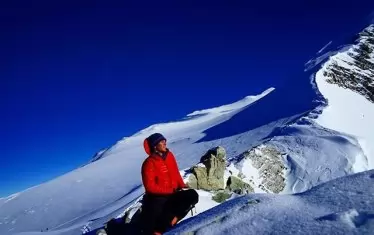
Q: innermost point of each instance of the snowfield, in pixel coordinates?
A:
(348, 112)
(325, 186)
(341, 206)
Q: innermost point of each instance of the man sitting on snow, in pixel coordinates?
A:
(167, 198)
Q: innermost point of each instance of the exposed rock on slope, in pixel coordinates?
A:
(358, 75)
(261, 168)
(269, 163)
(236, 185)
(346, 81)
(208, 174)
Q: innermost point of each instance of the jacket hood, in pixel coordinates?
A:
(147, 149)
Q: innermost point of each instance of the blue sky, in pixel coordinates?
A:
(77, 77)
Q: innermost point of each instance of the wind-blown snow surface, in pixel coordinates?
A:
(314, 151)
(91, 195)
(324, 47)
(102, 189)
(353, 117)
(347, 111)
(341, 206)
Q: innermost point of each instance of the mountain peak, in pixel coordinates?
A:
(292, 153)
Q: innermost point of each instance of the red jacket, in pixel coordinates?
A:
(161, 176)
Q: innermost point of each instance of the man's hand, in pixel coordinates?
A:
(185, 187)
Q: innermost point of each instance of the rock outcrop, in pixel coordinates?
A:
(208, 174)
(355, 69)
(238, 186)
(268, 160)
(221, 196)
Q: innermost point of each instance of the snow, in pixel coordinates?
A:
(205, 203)
(89, 196)
(324, 47)
(252, 174)
(314, 62)
(341, 206)
(321, 151)
(102, 189)
(10, 197)
(348, 112)
(315, 155)
(234, 106)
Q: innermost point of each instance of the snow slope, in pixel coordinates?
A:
(348, 111)
(103, 188)
(341, 206)
(316, 144)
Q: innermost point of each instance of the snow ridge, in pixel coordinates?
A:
(341, 206)
(346, 81)
(305, 157)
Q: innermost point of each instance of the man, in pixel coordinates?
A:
(167, 198)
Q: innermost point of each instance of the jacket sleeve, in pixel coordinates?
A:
(149, 179)
(178, 176)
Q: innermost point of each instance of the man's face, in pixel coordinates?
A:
(161, 146)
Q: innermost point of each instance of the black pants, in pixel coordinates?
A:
(158, 211)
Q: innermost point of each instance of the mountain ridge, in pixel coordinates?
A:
(306, 137)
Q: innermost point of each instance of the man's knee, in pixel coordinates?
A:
(192, 196)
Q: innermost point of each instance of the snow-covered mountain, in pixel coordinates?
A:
(347, 82)
(309, 145)
(341, 206)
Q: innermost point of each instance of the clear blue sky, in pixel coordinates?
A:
(77, 77)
